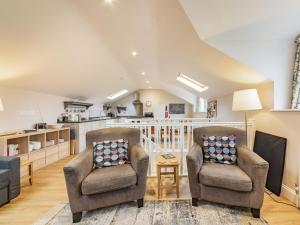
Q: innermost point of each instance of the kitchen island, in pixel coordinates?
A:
(82, 127)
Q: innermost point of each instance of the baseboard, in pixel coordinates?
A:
(289, 193)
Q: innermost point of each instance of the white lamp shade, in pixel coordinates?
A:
(1, 105)
(245, 100)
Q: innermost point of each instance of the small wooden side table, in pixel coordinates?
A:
(29, 164)
(167, 163)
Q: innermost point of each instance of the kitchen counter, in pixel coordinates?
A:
(105, 118)
(90, 120)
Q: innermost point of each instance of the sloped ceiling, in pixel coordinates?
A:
(257, 33)
(83, 48)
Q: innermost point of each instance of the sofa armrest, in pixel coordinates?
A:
(257, 169)
(194, 160)
(12, 164)
(139, 161)
(75, 171)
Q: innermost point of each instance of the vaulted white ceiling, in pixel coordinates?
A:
(257, 33)
(83, 48)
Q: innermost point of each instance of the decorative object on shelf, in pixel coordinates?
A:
(12, 149)
(77, 104)
(36, 145)
(212, 109)
(50, 143)
(246, 100)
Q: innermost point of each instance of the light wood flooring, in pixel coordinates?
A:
(49, 190)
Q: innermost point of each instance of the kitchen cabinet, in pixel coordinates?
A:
(81, 129)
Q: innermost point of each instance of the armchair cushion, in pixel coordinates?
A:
(225, 176)
(109, 179)
(220, 149)
(110, 152)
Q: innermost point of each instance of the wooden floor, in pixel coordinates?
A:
(49, 190)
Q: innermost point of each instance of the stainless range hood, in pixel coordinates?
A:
(136, 100)
(138, 105)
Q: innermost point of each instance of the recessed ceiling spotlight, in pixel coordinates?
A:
(134, 53)
(147, 82)
(143, 73)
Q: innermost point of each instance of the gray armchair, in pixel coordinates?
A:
(9, 178)
(239, 185)
(89, 188)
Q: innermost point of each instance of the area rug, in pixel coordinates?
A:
(179, 212)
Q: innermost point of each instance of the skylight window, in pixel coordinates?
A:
(118, 94)
(191, 83)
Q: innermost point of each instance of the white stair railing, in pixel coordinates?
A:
(174, 136)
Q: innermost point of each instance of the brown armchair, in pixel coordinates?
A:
(89, 188)
(240, 185)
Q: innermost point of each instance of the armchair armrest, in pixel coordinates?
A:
(76, 170)
(194, 160)
(257, 169)
(139, 161)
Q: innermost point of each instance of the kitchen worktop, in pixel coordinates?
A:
(105, 118)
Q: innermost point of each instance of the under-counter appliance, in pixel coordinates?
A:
(148, 114)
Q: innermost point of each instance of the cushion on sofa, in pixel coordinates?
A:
(229, 177)
(110, 153)
(220, 149)
(109, 179)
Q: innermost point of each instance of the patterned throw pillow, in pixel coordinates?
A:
(220, 149)
(110, 153)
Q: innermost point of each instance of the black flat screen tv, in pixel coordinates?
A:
(176, 108)
(272, 149)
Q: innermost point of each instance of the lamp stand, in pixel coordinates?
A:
(246, 127)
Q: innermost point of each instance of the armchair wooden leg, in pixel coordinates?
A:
(77, 217)
(140, 202)
(255, 213)
(194, 202)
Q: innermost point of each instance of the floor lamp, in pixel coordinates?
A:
(246, 100)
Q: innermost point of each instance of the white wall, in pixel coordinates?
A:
(272, 58)
(159, 100)
(224, 111)
(22, 109)
(284, 124)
